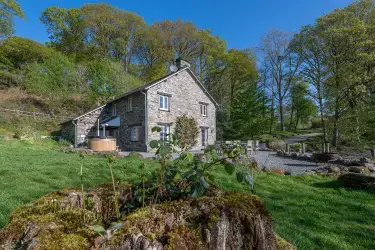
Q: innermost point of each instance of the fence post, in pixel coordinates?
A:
(324, 148)
(303, 148)
(288, 148)
(328, 148)
(373, 154)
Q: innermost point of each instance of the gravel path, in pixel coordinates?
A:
(271, 160)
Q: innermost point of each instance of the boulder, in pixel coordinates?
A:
(354, 180)
(135, 155)
(358, 170)
(334, 170)
(218, 220)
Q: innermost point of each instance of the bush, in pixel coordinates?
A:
(186, 132)
(316, 123)
(276, 145)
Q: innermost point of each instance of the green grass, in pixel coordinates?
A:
(309, 211)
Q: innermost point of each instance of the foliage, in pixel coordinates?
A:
(107, 79)
(186, 132)
(189, 175)
(8, 10)
(276, 144)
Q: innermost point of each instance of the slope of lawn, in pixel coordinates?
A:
(309, 211)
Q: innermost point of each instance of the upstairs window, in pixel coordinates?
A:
(114, 111)
(203, 109)
(164, 102)
(130, 104)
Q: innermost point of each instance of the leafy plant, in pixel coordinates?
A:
(190, 176)
(186, 131)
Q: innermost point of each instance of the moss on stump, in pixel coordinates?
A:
(217, 221)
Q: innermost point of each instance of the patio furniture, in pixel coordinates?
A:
(249, 147)
(256, 146)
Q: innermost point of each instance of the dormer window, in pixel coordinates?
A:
(130, 104)
(203, 109)
(114, 110)
(163, 102)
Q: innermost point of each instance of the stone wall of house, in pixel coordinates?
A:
(88, 125)
(130, 119)
(185, 96)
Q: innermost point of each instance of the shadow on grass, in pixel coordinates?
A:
(329, 184)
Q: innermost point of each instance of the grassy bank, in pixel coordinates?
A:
(311, 212)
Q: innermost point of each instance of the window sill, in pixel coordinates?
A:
(165, 110)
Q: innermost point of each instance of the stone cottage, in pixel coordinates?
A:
(131, 117)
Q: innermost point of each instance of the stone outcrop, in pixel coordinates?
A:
(217, 221)
(356, 180)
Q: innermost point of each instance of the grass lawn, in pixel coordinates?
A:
(309, 211)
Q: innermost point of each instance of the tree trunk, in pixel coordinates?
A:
(321, 111)
(357, 126)
(281, 109)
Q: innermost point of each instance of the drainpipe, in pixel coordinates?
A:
(146, 121)
(75, 133)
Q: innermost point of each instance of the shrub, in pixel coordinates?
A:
(186, 132)
(316, 123)
(276, 145)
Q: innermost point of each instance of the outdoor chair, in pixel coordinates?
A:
(249, 147)
(256, 146)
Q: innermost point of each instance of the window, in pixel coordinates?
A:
(164, 102)
(164, 133)
(114, 111)
(203, 109)
(204, 136)
(130, 104)
(134, 133)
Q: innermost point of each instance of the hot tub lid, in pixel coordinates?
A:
(113, 122)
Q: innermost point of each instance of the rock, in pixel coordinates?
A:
(294, 155)
(358, 170)
(280, 153)
(135, 155)
(334, 170)
(279, 171)
(121, 154)
(354, 180)
(218, 220)
(365, 160)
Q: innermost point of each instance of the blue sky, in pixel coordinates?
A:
(241, 23)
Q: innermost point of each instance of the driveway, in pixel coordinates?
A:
(271, 160)
(300, 138)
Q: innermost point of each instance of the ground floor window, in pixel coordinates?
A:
(204, 136)
(165, 131)
(134, 133)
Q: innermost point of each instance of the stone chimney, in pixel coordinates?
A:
(181, 63)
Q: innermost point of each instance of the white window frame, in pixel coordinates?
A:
(130, 104)
(164, 102)
(114, 110)
(165, 131)
(204, 109)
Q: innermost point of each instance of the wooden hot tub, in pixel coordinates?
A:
(102, 144)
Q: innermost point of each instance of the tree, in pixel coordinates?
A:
(348, 37)
(283, 64)
(16, 53)
(8, 10)
(108, 79)
(186, 132)
(311, 49)
(247, 113)
(182, 37)
(67, 31)
(153, 53)
(302, 108)
(94, 31)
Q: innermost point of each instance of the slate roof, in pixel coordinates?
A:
(147, 86)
